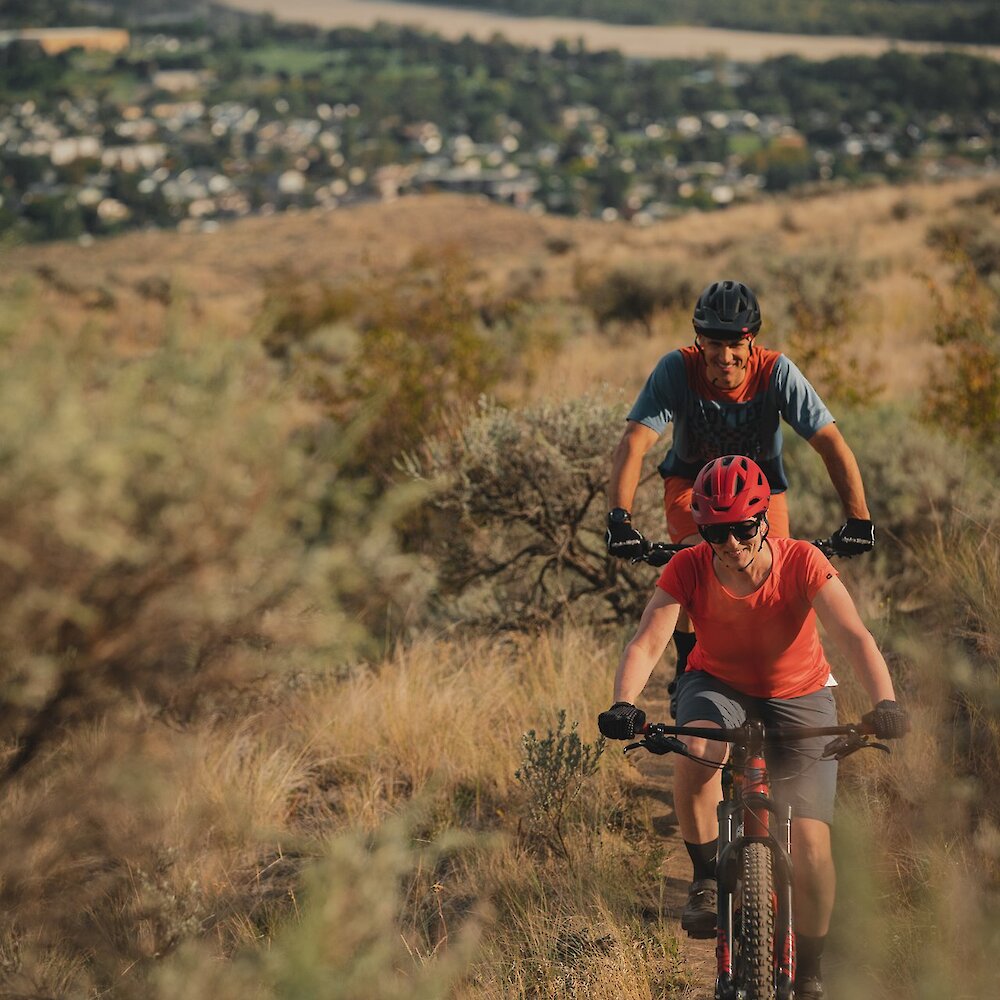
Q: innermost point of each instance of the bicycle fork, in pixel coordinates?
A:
(755, 808)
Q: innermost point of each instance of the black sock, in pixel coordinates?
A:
(703, 858)
(808, 952)
(684, 642)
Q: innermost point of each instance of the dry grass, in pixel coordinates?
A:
(185, 847)
(218, 281)
(249, 846)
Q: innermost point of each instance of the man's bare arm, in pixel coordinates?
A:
(842, 468)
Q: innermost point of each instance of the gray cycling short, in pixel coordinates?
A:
(798, 777)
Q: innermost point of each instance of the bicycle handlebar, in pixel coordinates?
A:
(772, 733)
(660, 553)
(659, 738)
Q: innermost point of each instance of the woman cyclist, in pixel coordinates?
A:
(754, 601)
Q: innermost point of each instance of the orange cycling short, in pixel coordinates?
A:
(680, 524)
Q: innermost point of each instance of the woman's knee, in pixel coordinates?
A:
(811, 842)
(713, 751)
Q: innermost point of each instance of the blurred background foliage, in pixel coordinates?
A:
(279, 609)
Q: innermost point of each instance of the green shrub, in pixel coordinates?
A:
(175, 527)
(633, 292)
(396, 353)
(347, 938)
(971, 240)
(516, 524)
(905, 208)
(988, 197)
(159, 519)
(552, 774)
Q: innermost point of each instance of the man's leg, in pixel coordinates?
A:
(684, 642)
(777, 516)
(681, 528)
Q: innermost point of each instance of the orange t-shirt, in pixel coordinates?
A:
(766, 644)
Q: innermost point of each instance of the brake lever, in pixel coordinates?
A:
(661, 745)
(654, 554)
(844, 746)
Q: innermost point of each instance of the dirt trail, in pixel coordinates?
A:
(698, 957)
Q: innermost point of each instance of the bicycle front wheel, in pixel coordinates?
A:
(755, 959)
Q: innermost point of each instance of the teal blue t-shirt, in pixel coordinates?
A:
(709, 422)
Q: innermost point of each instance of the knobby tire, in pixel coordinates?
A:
(755, 962)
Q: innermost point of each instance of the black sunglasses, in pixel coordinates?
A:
(742, 531)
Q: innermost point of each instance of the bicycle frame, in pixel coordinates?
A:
(745, 813)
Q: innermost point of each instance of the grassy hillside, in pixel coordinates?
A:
(133, 287)
(307, 619)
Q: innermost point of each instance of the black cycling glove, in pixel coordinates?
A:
(889, 720)
(856, 536)
(623, 541)
(622, 721)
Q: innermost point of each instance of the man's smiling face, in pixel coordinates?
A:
(725, 360)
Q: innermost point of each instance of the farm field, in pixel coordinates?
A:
(648, 42)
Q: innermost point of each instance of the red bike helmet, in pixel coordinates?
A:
(729, 489)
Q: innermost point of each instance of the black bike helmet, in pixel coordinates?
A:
(727, 310)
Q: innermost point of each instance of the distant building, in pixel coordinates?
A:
(177, 81)
(55, 40)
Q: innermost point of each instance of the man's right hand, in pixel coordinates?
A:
(622, 721)
(854, 537)
(623, 541)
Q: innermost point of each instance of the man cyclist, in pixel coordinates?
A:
(725, 395)
(754, 600)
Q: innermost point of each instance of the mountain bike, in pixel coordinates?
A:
(755, 939)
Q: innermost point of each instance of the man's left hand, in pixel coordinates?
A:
(855, 537)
